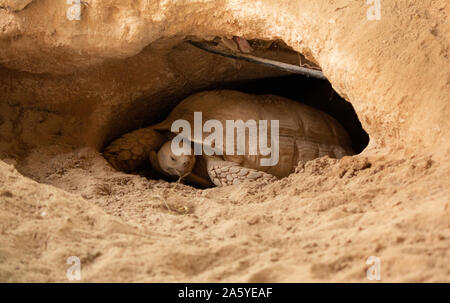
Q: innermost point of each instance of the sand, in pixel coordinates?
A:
(67, 89)
(319, 224)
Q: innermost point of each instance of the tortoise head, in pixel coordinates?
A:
(172, 164)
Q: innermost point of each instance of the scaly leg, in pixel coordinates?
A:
(131, 151)
(223, 173)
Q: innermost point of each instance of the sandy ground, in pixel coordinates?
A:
(319, 224)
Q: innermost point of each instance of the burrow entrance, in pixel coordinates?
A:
(317, 93)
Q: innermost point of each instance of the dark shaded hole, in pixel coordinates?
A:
(311, 91)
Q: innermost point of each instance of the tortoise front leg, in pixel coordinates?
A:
(131, 150)
(223, 173)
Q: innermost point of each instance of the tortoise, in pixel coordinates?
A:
(305, 133)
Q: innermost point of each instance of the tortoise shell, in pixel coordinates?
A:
(305, 133)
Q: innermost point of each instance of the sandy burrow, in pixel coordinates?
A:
(96, 71)
(319, 224)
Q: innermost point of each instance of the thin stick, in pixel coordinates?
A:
(164, 200)
(267, 62)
